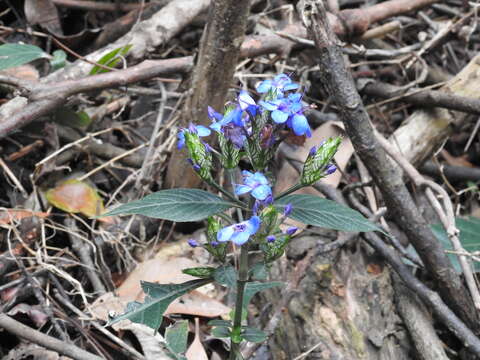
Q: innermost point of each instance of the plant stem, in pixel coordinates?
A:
(241, 283)
(229, 195)
(289, 191)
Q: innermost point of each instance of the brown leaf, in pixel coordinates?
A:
(43, 13)
(456, 160)
(34, 312)
(8, 216)
(196, 351)
(25, 72)
(75, 196)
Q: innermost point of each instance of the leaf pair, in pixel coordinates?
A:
(183, 205)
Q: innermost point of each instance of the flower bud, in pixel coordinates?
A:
(192, 242)
(217, 249)
(318, 163)
(271, 238)
(288, 209)
(200, 157)
(273, 250)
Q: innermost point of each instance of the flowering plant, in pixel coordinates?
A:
(248, 215)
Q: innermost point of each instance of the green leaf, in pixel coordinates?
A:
(217, 322)
(70, 118)
(204, 272)
(314, 210)
(179, 205)
(469, 230)
(59, 60)
(253, 335)
(111, 59)
(221, 332)
(176, 337)
(258, 271)
(158, 297)
(254, 287)
(226, 276)
(12, 55)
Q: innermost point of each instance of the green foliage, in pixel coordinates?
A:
(110, 60)
(221, 332)
(253, 335)
(258, 271)
(59, 60)
(179, 205)
(204, 272)
(314, 210)
(226, 276)
(273, 251)
(469, 237)
(158, 297)
(252, 288)
(12, 55)
(176, 337)
(217, 322)
(68, 117)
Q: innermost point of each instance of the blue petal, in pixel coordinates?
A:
(300, 125)
(261, 192)
(279, 116)
(268, 105)
(253, 224)
(181, 140)
(242, 189)
(212, 114)
(264, 86)
(245, 100)
(295, 97)
(216, 126)
(225, 234)
(202, 130)
(240, 237)
(291, 86)
(260, 178)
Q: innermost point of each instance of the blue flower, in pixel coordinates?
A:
(234, 125)
(200, 130)
(239, 233)
(330, 169)
(280, 83)
(288, 209)
(291, 230)
(271, 238)
(289, 110)
(192, 242)
(257, 183)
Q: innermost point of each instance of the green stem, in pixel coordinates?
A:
(237, 320)
(289, 191)
(229, 195)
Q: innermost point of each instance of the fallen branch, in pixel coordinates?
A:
(34, 336)
(46, 97)
(423, 97)
(339, 84)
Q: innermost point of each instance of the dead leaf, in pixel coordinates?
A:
(196, 351)
(8, 216)
(456, 160)
(34, 312)
(75, 196)
(374, 269)
(45, 14)
(25, 72)
(152, 344)
(162, 272)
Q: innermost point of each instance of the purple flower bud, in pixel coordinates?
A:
(271, 238)
(190, 161)
(331, 168)
(214, 243)
(288, 209)
(255, 207)
(192, 242)
(196, 167)
(312, 151)
(268, 200)
(208, 148)
(192, 128)
(291, 230)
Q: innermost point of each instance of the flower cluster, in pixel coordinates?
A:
(253, 129)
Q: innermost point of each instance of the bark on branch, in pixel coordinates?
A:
(339, 84)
